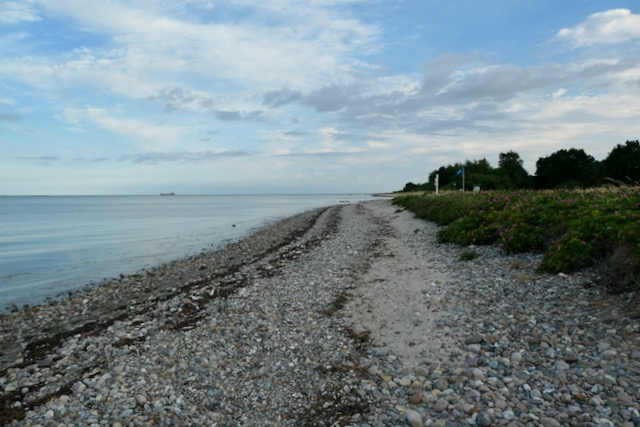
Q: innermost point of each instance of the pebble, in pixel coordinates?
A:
(258, 333)
(414, 419)
(441, 405)
(483, 419)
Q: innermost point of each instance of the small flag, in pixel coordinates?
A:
(460, 172)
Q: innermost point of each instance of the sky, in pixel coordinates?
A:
(313, 96)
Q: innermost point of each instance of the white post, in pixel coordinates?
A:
(437, 182)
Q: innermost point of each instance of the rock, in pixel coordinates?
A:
(483, 419)
(468, 408)
(441, 384)
(474, 339)
(141, 399)
(404, 382)
(549, 422)
(474, 348)
(441, 405)
(422, 371)
(509, 415)
(11, 387)
(415, 398)
(491, 339)
(414, 419)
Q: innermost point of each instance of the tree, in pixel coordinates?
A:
(512, 174)
(567, 168)
(480, 172)
(477, 172)
(447, 177)
(410, 186)
(623, 162)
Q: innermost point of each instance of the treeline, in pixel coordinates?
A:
(572, 168)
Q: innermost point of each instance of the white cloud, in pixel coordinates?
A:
(147, 135)
(309, 45)
(611, 26)
(559, 93)
(12, 12)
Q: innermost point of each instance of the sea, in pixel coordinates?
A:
(51, 245)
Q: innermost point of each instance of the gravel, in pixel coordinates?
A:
(347, 315)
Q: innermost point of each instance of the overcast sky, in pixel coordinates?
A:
(304, 96)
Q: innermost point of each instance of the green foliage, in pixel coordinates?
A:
(568, 169)
(571, 168)
(572, 228)
(513, 175)
(623, 162)
(509, 175)
(468, 255)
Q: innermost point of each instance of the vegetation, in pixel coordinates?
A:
(572, 168)
(574, 228)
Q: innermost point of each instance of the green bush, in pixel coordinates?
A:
(572, 228)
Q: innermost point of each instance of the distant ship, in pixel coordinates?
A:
(168, 194)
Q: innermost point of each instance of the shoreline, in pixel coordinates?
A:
(168, 279)
(116, 235)
(343, 315)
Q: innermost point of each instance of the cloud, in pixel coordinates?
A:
(178, 98)
(240, 116)
(328, 98)
(147, 45)
(609, 27)
(319, 154)
(13, 12)
(184, 156)
(294, 133)
(145, 133)
(459, 95)
(502, 82)
(8, 117)
(43, 160)
(282, 97)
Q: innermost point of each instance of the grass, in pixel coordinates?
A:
(574, 229)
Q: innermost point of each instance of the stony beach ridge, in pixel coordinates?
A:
(350, 315)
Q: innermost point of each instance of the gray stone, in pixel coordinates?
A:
(441, 405)
(549, 422)
(141, 399)
(414, 419)
(474, 339)
(483, 419)
(509, 415)
(441, 384)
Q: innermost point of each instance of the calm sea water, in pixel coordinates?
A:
(50, 245)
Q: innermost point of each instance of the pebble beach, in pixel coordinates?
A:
(349, 315)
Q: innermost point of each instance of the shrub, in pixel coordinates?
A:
(572, 228)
